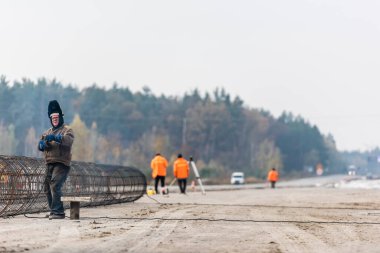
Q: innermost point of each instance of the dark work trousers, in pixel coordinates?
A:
(182, 184)
(55, 177)
(159, 178)
(273, 184)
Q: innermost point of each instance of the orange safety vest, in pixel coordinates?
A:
(181, 168)
(273, 176)
(158, 165)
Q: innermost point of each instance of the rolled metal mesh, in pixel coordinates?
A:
(22, 184)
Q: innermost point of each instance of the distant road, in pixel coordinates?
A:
(327, 181)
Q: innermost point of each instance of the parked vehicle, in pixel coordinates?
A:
(237, 178)
(352, 170)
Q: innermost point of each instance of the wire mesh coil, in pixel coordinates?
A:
(22, 184)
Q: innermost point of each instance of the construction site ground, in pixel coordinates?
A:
(317, 219)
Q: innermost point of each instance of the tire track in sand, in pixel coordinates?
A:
(295, 239)
(67, 235)
(159, 230)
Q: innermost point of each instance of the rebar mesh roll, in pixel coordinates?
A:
(22, 184)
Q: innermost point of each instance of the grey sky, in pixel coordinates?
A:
(319, 59)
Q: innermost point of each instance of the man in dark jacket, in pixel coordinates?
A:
(56, 144)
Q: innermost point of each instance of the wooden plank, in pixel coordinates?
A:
(76, 199)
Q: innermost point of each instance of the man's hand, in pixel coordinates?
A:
(58, 138)
(51, 137)
(41, 145)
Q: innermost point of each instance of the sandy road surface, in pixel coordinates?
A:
(257, 220)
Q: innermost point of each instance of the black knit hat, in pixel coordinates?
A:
(54, 108)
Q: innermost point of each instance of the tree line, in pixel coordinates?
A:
(118, 126)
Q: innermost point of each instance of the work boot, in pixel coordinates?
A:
(56, 216)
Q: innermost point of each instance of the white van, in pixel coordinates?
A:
(237, 178)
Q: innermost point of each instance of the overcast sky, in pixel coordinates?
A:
(318, 59)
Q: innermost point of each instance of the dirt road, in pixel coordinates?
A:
(259, 220)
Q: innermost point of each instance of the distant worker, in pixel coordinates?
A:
(181, 172)
(273, 177)
(56, 144)
(158, 165)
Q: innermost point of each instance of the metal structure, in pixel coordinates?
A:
(196, 173)
(22, 184)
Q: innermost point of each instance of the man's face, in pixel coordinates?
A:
(55, 119)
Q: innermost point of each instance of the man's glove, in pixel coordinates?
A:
(58, 138)
(41, 145)
(52, 137)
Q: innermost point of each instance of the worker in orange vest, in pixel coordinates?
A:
(273, 177)
(158, 165)
(181, 172)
